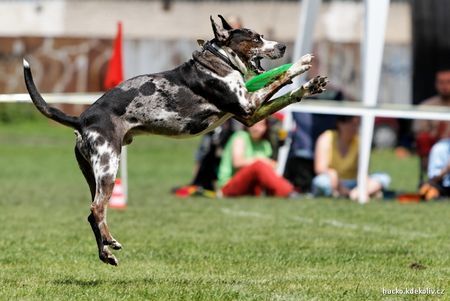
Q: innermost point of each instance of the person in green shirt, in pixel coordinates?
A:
(246, 167)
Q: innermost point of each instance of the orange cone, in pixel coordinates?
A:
(118, 199)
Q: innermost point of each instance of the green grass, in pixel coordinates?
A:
(203, 249)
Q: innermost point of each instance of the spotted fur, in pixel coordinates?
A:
(189, 100)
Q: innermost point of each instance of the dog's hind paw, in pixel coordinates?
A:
(107, 257)
(315, 85)
(115, 245)
(112, 260)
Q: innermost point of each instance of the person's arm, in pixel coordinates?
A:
(322, 153)
(425, 126)
(238, 155)
(439, 174)
(322, 159)
(429, 127)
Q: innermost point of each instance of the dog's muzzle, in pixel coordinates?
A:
(273, 52)
(281, 48)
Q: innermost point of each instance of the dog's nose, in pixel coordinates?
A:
(281, 47)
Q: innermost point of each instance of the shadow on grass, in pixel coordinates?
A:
(99, 282)
(146, 281)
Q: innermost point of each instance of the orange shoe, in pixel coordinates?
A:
(428, 192)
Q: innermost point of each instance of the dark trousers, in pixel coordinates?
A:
(300, 172)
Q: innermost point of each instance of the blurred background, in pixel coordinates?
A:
(70, 42)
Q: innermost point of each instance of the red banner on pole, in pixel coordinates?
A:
(114, 73)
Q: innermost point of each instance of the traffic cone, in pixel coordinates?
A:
(118, 199)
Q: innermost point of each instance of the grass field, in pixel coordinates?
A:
(203, 249)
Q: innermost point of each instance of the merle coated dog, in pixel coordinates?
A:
(189, 100)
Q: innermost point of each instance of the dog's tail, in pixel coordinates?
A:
(42, 106)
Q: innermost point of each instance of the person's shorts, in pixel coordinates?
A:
(321, 184)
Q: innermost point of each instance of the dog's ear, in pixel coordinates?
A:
(220, 33)
(225, 24)
(200, 42)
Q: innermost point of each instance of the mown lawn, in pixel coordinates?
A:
(204, 249)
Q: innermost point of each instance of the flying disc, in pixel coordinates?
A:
(261, 80)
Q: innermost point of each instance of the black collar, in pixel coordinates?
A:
(210, 47)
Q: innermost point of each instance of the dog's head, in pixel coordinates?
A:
(249, 45)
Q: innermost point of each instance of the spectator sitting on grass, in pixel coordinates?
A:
(438, 184)
(336, 162)
(428, 132)
(246, 167)
(299, 168)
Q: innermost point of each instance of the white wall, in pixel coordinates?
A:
(188, 20)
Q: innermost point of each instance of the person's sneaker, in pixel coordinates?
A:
(428, 192)
(184, 191)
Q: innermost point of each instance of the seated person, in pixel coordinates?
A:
(209, 153)
(299, 169)
(207, 160)
(438, 184)
(427, 132)
(336, 162)
(246, 167)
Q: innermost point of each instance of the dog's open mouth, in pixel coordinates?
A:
(256, 65)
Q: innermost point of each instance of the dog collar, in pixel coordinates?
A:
(232, 60)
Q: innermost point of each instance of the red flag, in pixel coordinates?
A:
(114, 73)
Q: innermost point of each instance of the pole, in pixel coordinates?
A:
(375, 26)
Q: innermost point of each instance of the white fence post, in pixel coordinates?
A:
(124, 171)
(375, 26)
(303, 45)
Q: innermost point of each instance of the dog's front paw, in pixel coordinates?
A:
(306, 59)
(249, 109)
(315, 85)
(301, 66)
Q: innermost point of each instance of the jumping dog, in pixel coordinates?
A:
(189, 100)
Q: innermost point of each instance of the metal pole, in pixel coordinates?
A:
(304, 42)
(309, 11)
(375, 26)
(124, 171)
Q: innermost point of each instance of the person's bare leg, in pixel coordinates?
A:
(372, 188)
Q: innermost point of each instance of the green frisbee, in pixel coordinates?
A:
(261, 80)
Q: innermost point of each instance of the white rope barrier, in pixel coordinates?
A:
(383, 110)
(69, 98)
